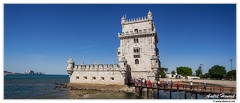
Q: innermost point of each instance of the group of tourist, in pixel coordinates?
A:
(149, 83)
(143, 82)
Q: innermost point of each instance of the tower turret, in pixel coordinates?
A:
(123, 68)
(123, 63)
(150, 15)
(123, 21)
(70, 66)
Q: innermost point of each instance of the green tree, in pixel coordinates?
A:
(217, 72)
(231, 74)
(199, 71)
(163, 72)
(184, 71)
(173, 72)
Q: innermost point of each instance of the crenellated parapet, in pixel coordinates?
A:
(135, 20)
(99, 67)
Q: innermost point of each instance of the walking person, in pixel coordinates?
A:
(166, 83)
(136, 82)
(149, 83)
(158, 84)
(204, 85)
(191, 85)
(143, 82)
(178, 84)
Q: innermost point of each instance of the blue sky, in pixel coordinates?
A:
(43, 37)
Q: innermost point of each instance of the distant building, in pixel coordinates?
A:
(171, 76)
(7, 72)
(138, 56)
(31, 72)
(193, 77)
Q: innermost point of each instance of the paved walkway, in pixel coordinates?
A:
(227, 83)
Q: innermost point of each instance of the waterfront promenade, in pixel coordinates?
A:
(213, 87)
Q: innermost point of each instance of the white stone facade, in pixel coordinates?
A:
(137, 54)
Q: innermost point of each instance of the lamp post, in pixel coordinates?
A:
(231, 66)
(202, 68)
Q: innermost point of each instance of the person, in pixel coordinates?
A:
(143, 81)
(154, 83)
(178, 84)
(204, 85)
(136, 83)
(166, 83)
(191, 85)
(148, 83)
(171, 83)
(158, 84)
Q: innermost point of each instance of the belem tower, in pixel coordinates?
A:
(138, 56)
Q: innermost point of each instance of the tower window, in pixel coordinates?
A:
(119, 53)
(136, 61)
(136, 30)
(94, 78)
(85, 77)
(131, 32)
(112, 78)
(136, 40)
(136, 56)
(102, 78)
(136, 50)
(77, 77)
(144, 30)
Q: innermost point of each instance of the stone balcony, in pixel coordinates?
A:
(125, 35)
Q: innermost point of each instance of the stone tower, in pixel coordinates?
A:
(138, 46)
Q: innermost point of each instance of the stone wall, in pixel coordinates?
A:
(108, 76)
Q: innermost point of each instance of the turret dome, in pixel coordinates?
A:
(149, 12)
(70, 61)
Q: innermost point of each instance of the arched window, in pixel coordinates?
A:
(136, 30)
(136, 61)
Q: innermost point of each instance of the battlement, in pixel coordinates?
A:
(97, 67)
(135, 20)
